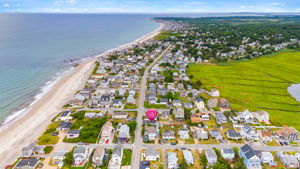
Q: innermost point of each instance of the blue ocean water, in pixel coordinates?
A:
(34, 48)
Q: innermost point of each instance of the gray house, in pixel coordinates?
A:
(211, 156)
(251, 159)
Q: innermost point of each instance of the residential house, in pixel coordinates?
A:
(117, 103)
(179, 114)
(199, 103)
(245, 116)
(165, 114)
(98, 155)
(200, 134)
(151, 132)
(172, 160)
(131, 100)
(266, 157)
(196, 118)
(116, 158)
(205, 116)
(65, 116)
(183, 133)
(91, 115)
(220, 118)
(27, 151)
(105, 101)
(28, 163)
(224, 104)
(151, 154)
(168, 135)
(251, 160)
(188, 157)
(124, 133)
(232, 134)
(228, 153)
(249, 133)
(289, 161)
(261, 116)
(211, 156)
(81, 155)
(177, 103)
(266, 136)
(107, 130)
(73, 134)
(63, 126)
(188, 105)
(59, 156)
(212, 103)
(216, 134)
(120, 115)
(214, 93)
(287, 133)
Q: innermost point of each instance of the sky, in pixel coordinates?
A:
(149, 6)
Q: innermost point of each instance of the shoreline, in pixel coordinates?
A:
(29, 125)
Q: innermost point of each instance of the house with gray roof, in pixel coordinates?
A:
(116, 158)
(188, 157)
(98, 155)
(151, 154)
(81, 155)
(289, 161)
(251, 159)
(232, 134)
(227, 153)
(172, 160)
(220, 118)
(211, 156)
(124, 133)
(28, 163)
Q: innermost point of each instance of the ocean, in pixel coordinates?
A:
(37, 49)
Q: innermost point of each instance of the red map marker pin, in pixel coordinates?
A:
(151, 114)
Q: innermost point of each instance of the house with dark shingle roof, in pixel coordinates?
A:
(29, 163)
(251, 159)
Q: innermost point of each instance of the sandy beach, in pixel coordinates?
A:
(26, 128)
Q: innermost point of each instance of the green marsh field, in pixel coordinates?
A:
(257, 84)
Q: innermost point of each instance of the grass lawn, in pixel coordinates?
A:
(130, 106)
(208, 141)
(46, 138)
(257, 84)
(154, 106)
(127, 154)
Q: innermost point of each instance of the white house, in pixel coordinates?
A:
(172, 160)
(227, 153)
(188, 157)
(183, 133)
(199, 103)
(152, 155)
(266, 157)
(211, 156)
(261, 116)
(81, 155)
(116, 158)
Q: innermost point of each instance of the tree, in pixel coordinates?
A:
(132, 125)
(183, 165)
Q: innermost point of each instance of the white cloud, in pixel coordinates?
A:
(69, 2)
(247, 7)
(5, 5)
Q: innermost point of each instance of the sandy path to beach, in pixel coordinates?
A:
(27, 128)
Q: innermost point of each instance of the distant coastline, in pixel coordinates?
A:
(34, 119)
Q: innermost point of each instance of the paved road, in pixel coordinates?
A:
(219, 146)
(141, 110)
(106, 109)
